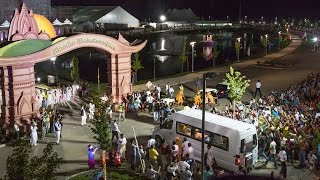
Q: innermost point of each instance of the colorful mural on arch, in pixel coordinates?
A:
(18, 58)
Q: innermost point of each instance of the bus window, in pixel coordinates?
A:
(167, 124)
(198, 135)
(220, 141)
(184, 129)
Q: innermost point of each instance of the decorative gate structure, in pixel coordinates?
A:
(30, 45)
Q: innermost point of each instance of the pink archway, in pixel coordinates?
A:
(18, 80)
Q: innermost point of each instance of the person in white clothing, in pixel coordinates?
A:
(83, 116)
(189, 150)
(34, 134)
(183, 165)
(114, 130)
(91, 111)
(158, 90)
(283, 159)
(171, 91)
(167, 88)
(258, 89)
(122, 142)
(57, 128)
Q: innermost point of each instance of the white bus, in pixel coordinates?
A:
(233, 142)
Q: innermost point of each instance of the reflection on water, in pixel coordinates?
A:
(161, 58)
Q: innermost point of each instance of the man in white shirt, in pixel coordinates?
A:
(258, 89)
(57, 128)
(183, 165)
(171, 91)
(16, 130)
(283, 159)
(184, 145)
(158, 89)
(189, 150)
(273, 152)
(114, 130)
(151, 142)
(167, 88)
(150, 100)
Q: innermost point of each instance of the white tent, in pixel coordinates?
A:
(67, 22)
(5, 24)
(119, 16)
(105, 15)
(56, 22)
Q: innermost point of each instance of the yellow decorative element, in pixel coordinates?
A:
(44, 25)
(58, 39)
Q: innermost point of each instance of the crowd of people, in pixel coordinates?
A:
(287, 124)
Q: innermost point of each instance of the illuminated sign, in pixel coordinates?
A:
(79, 41)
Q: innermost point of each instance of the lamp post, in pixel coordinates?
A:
(266, 43)
(53, 59)
(205, 76)
(192, 56)
(238, 48)
(279, 39)
(315, 40)
(38, 79)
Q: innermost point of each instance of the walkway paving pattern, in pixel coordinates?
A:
(75, 138)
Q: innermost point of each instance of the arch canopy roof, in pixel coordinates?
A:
(24, 47)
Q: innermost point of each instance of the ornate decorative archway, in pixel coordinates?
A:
(17, 78)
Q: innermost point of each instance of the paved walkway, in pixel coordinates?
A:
(75, 139)
(192, 76)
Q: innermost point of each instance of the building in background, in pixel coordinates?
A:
(42, 7)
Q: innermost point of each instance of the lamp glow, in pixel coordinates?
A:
(163, 18)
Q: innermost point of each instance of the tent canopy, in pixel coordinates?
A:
(105, 15)
(181, 15)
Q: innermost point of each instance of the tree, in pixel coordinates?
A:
(237, 49)
(215, 54)
(183, 56)
(75, 72)
(136, 64)
(265, 44)
(101, 129)
(237, 84)
(20, 166)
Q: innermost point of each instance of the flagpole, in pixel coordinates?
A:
(135, 137)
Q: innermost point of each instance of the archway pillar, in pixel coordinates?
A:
(119, 77)
(18, 95)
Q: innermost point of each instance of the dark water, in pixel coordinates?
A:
(163, 49)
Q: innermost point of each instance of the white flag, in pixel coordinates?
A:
(149, 84)
(249, 51)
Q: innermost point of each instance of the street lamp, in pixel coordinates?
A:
(315, 40)
(53, 59)
(238, 49)
(266, 43)
(162, 18)
(205, 76)
(38, 79)
(279, 39)
(192, 56)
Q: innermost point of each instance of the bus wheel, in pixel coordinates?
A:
(158, 141)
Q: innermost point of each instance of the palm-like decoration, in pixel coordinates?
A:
(136, 64)
(101, 129)
(237, 84)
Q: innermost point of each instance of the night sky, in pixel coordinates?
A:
(214, 8)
